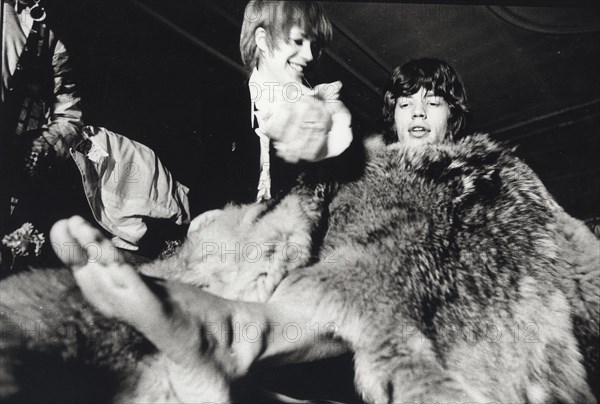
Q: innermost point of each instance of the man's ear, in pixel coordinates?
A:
(260, 37)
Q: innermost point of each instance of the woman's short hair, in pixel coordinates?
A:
(278, 18)
(433, 75)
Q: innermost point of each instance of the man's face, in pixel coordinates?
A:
(421, 118)
(287, 61)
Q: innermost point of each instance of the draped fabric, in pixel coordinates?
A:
(128, 185)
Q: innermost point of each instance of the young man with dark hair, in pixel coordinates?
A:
(425, 102)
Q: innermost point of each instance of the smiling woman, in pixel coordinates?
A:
(245, 160)
(276, 19)
(426, 102)
(285, 63)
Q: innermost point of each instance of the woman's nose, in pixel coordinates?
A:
(306, 51)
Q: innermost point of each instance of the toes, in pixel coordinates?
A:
(83, 232)
(65, 246)
(76, 242)
(59, 233)
(91, 242)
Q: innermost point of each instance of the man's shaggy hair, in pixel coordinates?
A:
(433, 75)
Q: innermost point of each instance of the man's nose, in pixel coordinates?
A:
(419, 111)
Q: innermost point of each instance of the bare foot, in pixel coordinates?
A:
(114, 288)
(76, 243)
(117, 290)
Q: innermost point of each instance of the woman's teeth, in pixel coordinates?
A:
(296, 66)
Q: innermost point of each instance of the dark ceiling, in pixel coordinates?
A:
(531, 72)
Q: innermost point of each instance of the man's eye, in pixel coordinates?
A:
(298, 41)
(435, 101)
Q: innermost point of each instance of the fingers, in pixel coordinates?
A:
(309, 144)
(315, 147)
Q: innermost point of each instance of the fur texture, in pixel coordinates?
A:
(449, 271)
(449, 281)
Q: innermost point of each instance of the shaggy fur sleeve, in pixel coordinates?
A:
(580, 248)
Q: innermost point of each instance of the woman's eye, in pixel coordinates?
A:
(298, 41)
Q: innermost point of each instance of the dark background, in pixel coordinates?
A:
(145, 69)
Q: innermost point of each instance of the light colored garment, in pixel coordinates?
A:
(61, 110)
(264, 181)
(277, 114)
(61, 116)
(15, 29)
(128, 184)
(259, 104)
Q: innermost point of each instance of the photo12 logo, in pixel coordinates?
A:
(293, 92)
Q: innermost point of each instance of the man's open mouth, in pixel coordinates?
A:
(418, 131)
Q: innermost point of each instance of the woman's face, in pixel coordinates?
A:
(421, 118)
(286, 63)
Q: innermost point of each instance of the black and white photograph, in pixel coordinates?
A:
(270, 201)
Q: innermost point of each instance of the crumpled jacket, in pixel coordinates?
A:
(128, 185)
(55, 106)
(63, 117)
